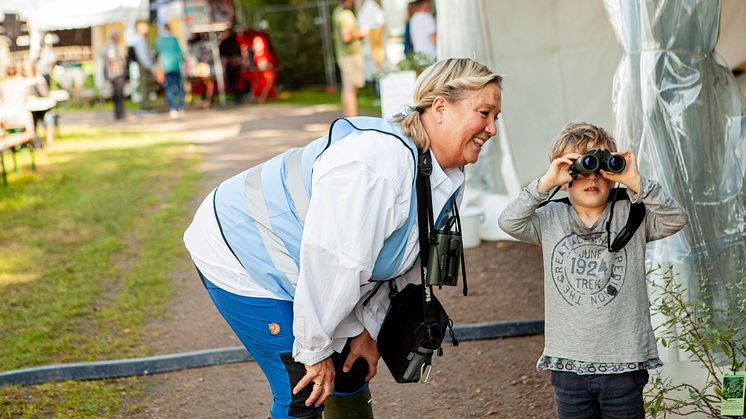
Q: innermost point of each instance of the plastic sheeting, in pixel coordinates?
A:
(677, 104)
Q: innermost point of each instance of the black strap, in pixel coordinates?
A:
(425, 222)
(463, 262)
(634, 220)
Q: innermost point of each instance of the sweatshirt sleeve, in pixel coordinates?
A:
(352, 210)
(663, 215)
(519, 219)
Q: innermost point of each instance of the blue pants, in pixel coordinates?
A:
(265, 327)
(173, 80)
(612, 396)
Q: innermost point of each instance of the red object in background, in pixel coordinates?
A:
(261, 74)
(251, 57)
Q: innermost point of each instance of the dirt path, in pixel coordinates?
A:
(492, 378)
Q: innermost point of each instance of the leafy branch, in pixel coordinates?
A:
(715, 339)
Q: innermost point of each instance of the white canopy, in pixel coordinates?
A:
(47, 15)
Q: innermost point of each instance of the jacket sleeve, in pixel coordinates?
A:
(663, 215)
(353, 209)
(519, 219)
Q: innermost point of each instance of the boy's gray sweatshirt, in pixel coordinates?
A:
(595, 302)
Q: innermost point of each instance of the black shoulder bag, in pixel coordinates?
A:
(416, 322)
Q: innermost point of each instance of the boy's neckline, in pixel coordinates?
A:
(590, 216)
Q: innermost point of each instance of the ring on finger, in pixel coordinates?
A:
(318, 384)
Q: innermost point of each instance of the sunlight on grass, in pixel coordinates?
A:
(368, 102)
(86, 249)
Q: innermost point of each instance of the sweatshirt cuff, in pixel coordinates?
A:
(646, 185)
(311, 357)
(533, 190)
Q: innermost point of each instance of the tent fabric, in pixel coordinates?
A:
(677, 104)
(70, 14)
(554, 72)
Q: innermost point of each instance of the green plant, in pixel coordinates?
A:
(717, 343)
(416, 62)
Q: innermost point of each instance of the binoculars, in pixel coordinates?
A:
(446, 251)
(598, 159)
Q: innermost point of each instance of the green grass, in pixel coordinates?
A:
(87, 247)
(367, 101)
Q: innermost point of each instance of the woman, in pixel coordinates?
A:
(289, 250)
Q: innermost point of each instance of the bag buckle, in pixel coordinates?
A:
(425, 372)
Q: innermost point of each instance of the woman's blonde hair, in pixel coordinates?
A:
(449, 78)
(578, 137)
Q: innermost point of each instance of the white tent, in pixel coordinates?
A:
(47, 15)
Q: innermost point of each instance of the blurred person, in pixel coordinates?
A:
(349, 51)
(14, 94)
(46, 61)
(171, 60)
(422, 29)
(145, 65)
(371, 21)
(290, 250)
(408, 48)
(39, 103)
(115, 70)
(230, 53)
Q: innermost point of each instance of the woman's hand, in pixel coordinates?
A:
(363, 346)
(630, 177)
(558, 172)
(321, 375)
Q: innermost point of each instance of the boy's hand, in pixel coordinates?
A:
(558, 172)
(630, 177)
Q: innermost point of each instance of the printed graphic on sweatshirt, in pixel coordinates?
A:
(585, 272)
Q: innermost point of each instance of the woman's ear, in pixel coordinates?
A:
(439, 106)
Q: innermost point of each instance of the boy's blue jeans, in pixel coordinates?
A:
(608, 396)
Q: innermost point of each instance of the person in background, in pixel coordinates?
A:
(349, 51)
(290, 249)
(46, 61)
(408, 48)
(115, 70)
(230, 53)
(422, 29)
(145, 65)
(39, 103)
(371, 21)
(171, 59)
(14, 94)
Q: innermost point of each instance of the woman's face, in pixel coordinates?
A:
(462, 128)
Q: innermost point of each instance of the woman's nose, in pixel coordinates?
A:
(491, 128)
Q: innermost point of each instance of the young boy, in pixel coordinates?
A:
(599, 343)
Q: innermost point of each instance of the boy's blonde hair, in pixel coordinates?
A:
(451, 79)
(578, 137)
